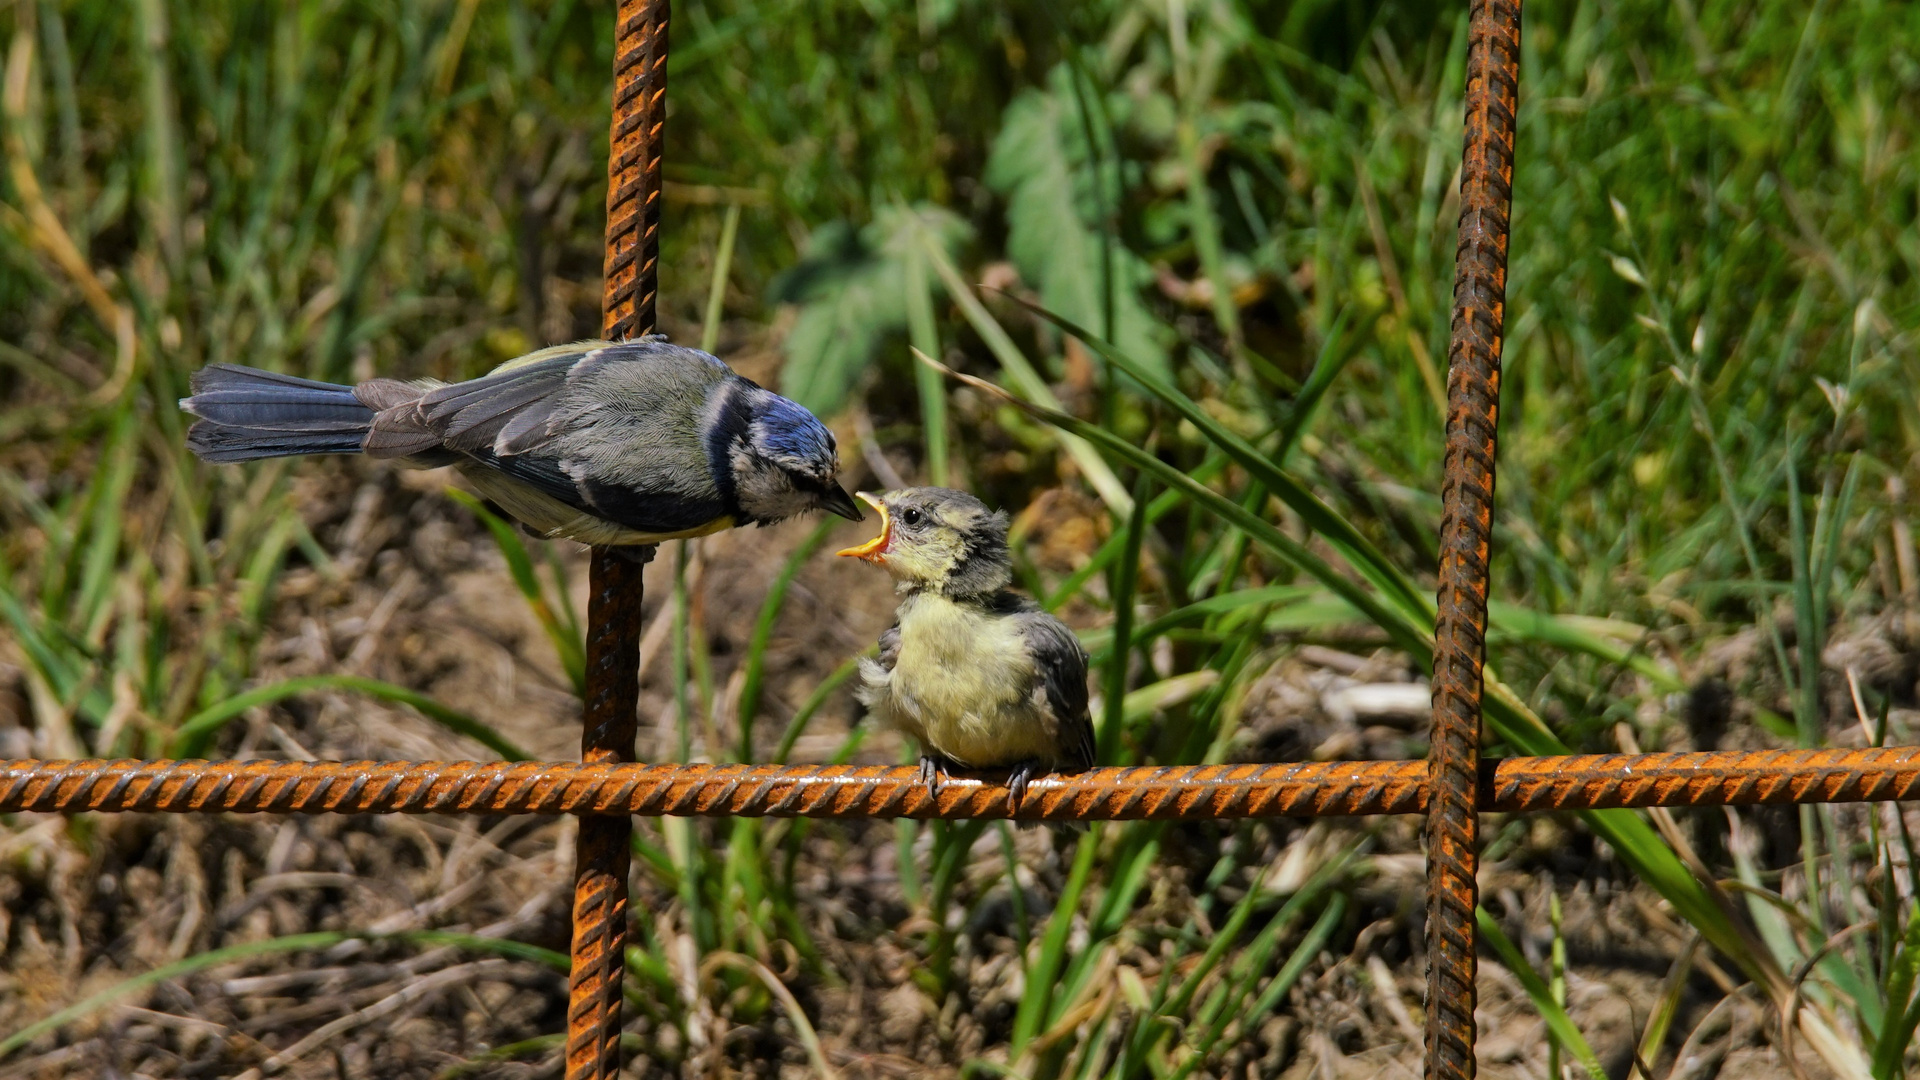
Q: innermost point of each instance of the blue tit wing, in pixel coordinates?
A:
(890, 647)
(642, 429)
(615, 431)
(1060, 665)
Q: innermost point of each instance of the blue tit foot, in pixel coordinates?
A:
(638, 554)
(1023, 771)
(933, 772)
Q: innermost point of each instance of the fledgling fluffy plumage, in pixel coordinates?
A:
(975, 672)
(600, 442)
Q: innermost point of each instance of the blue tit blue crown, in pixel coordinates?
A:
(789, 432)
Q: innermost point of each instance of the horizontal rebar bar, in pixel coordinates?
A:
(1183, 792)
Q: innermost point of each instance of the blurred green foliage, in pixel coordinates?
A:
(1708, 410)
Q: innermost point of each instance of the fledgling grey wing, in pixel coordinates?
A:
(1061, 665)
(876, 676)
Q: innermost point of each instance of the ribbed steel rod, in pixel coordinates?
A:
(603, 851)
(1170, 793)
(1466, 531)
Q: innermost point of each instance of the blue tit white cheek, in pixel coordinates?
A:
(765, 490)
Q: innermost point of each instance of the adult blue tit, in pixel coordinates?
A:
(977, 674)
(615, 443)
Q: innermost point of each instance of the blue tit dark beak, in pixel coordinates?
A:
(837, 500)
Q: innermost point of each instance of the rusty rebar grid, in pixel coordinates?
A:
(606, 788)
(1466, 533)
(612, 791)
(603, 851)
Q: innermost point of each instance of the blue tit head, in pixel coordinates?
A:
(787, 464)
(939, 538)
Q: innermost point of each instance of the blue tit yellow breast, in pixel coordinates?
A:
(963, 685)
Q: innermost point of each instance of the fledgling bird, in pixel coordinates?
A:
(975, 672)
(614, 443)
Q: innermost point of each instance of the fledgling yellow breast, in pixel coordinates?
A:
(963, 684)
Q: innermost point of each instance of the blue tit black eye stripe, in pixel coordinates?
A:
(732, 424)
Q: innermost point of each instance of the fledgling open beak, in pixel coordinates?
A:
(874, 550)
(837, 500)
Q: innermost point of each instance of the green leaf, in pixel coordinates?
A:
(1040, 163)
(851, 287)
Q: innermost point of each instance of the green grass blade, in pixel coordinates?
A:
(717, 290)
(1035, 1002)
(1408, 635)
(1382, 572)
(1580, 635)
(1303, 954)
(1100, 640)
(1024, 378)
(565, 637)
(1162, 504)
(187, 966)
(1125, 577)
(754, 667)
(192, 737)
(1551, 1011)
(925, 335)
(1896, 1033)
(507, 947)
(1335, 351)
(804, 715)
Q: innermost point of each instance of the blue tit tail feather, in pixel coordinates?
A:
(246, 414)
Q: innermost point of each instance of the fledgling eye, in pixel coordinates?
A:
(911, 518)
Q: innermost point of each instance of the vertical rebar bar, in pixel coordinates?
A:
(603, 853)
(1473, 395)
(633, 168)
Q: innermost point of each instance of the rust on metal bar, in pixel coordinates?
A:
(603, 852)
(633, 168)
(1164, 793)
(1466, 532)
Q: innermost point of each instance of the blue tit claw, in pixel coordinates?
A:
(1017, 783)
(638, 554)
(933, 772)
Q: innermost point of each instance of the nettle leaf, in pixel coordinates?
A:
(850, 287)
(1041, 165)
